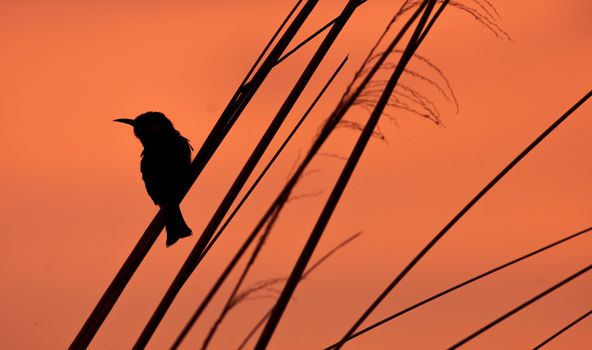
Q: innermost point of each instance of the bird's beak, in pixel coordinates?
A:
(125, 121)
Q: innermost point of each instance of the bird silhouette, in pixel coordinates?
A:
(165, 164)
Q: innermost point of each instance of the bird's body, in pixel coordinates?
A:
(165, 164)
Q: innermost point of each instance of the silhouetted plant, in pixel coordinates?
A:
(383, 85)
(464, 284)
(563, 330)
(254, 291)
(521, 306)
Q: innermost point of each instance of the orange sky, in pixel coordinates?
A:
(73, 204)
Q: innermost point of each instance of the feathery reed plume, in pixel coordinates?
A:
(236, 297)
(521, 306)
(404, 97)
(484, 17)
(306, 273)
(463, 284)
(407, 98)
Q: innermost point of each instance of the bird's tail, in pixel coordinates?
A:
(176, 227)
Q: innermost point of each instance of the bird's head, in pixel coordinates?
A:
(150, 127)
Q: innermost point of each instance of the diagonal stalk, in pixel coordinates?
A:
(304, 276)
(463, 284)
(311, 37)
(272, 160)
(563, 330)
(520, 307)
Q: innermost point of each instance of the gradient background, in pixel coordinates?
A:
(73, 204)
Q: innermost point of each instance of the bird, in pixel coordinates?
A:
(165, 167)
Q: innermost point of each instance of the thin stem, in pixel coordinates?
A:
(432, 21)
(304, 276)
(238, 285)
(311, 37)
(578, 320)
(275, 156)
(305, 41)
(274, 36)
(348, 100)
(232, 299)
(463, 284)
(520, 307)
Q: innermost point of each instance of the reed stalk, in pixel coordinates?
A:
(463, 284)
(520, 307)
(563, 330)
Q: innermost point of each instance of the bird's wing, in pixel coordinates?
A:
(152, 178)
(165, 170)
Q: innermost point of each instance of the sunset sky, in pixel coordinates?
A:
(74, 205)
